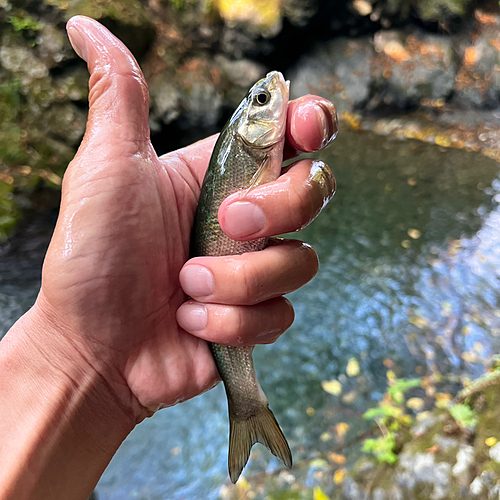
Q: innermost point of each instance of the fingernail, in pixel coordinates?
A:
(328, 122)
(197, 281)
(192, 317)
(78, 43)
(243, 219)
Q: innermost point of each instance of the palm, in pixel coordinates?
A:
(127, 271)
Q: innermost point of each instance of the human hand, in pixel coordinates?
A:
(115, 277)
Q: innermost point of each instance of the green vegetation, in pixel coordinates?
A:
(392, 418)
(25, 23)
(464, 415)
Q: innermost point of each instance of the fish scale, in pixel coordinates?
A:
(248, 152)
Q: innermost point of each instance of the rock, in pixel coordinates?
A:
(495, 452)
(421, 470)
(129, 20)
(478, 80)
(66, 123)
(239, 76)
(409, 71)
(338, 70)
(20, 60)
(73, 84)
(465, 459)
(165, 102)
(200, 93)
(53, 46)
(351, 490)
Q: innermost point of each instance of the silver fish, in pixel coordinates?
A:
(249, 152)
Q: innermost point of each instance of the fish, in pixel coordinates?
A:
(248, 152)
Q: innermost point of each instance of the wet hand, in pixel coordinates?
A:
(117, 273)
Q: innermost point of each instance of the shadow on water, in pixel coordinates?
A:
(410, 262)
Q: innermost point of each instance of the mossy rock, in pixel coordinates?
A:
(129, 20)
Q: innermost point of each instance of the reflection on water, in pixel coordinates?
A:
(410, 264)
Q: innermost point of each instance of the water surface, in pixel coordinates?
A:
(410, 265)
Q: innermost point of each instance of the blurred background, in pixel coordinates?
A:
(393, 393)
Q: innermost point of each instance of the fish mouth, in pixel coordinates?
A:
(276, 79)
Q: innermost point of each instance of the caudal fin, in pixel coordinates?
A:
(259, 428)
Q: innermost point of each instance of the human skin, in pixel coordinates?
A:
(112, 337)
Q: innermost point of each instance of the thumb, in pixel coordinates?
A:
(118, 98)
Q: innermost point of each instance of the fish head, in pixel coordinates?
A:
(262, 120)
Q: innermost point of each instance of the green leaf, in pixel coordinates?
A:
(463, 415)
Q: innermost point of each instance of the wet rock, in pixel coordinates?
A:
(410, 70)
(338, 70)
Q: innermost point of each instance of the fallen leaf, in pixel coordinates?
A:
(339, 475)
(332, 387)
(415, 404)
(318, 494)
(414, 233)
(352, 368)
(341, 429)
(336, 458)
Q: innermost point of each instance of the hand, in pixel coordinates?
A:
(115, 277)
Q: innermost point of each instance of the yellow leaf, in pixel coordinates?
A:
(406, 243)
(336, 458)
(310, 411)
(414, 233)
(491, 441)
(318, 494)
(341, 429)
(326, 436)
(391, 376)
(469, 357)
(418, 321)
(352, 368)
(339, 475)
(415, 404)
(332, 387)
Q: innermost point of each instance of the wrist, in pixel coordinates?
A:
(62, 420)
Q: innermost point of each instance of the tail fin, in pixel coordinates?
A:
(259, 428)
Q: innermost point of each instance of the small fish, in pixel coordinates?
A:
(248, 152)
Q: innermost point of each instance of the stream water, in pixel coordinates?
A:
(409, 278)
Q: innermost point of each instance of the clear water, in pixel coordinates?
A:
(421, 300)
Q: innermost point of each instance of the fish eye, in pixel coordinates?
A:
(262, 98)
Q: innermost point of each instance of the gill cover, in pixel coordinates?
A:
(262, 116)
